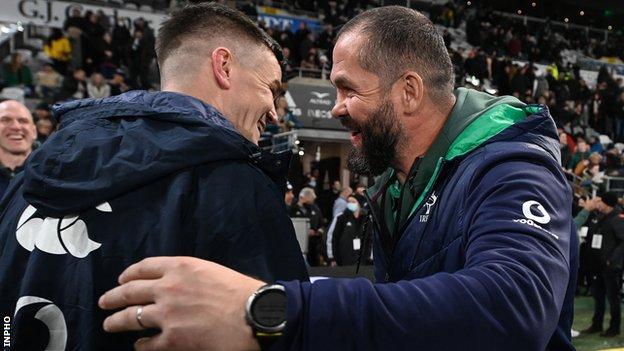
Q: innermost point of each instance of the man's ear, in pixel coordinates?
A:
(222, 67)
(412, 92)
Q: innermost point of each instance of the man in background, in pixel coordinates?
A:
(17, 135)
(608, 245)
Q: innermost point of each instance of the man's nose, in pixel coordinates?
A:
(339, 109)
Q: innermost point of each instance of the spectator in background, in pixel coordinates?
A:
(595, 145)
(74, 20)
(566, 153)
(16, 73)
(619, 118)
(287, 65)
(139, 58)
(17, 135)
(607, 283)
(122, 40)
(59, 50)
(310, 64)
(285, 118)
(93, 50)
(340, 204)
(118, 83)
(582, 153)
(45, 127)
(74, 86)
(97, 87)
(307, 208)
(346, 237)
(47, 82)
(42, 111)
(103, 21)
(289, 195)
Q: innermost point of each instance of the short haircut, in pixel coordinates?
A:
(307, 192)
(205, 21)
(398, 39)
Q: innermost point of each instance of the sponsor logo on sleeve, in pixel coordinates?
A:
(534, 215)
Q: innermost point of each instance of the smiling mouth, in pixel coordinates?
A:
(16, 137)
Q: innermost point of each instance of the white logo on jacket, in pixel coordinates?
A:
(51, 316)
(67, 235)
(429, 204)
(528, 210)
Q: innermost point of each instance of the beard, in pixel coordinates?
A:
(381, 134)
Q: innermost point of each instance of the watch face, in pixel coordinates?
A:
(269, 309)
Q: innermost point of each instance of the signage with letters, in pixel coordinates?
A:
(53, 13)
(312, 105)
(275, 17)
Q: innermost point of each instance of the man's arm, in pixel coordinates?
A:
(330, 235)
(508, 296)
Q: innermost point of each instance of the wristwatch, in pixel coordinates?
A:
(265, 312)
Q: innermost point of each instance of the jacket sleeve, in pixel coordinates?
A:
(237, 219)
(508, 295)
(581, 218)
(330, 236)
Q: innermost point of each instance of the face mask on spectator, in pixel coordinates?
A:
(352, 206)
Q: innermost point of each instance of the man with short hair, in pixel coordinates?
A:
(17, 135)
(176, 172)
(607, 244)
(306, 207)
(474, 244)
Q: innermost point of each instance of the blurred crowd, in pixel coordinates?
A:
(93, 57)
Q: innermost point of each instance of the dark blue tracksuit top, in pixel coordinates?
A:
(128, 177)
(486, 261)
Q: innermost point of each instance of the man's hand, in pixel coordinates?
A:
(198, 305)
(591, 204)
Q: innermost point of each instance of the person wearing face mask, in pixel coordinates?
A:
(347, 236)
(173, 172)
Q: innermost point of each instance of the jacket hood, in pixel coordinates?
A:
(107, 147)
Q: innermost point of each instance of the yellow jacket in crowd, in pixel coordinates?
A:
(59, 49)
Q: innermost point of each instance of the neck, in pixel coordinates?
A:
(198, 91)
(356, 214)
(427, 126)
(12, 160)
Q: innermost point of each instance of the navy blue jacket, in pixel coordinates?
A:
(138, 175)
(486, 261)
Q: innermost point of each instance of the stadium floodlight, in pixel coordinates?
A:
(469, 3)
(533, 4)
(610, 27)
(582, 13)
(519, 12)
(566, 20)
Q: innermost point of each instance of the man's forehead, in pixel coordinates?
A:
(14, 109)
